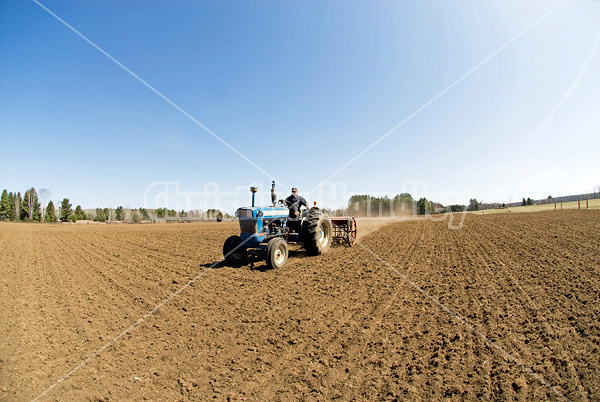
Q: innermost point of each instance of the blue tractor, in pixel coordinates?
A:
(270, 229)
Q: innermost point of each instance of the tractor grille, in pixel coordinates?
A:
(247, 225)
(244, 213)
(247, 221)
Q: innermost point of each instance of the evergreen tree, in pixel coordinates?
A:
(403, 202)
(50, 213)
(144, 214)
(524, 201)
(99, 215)
(37, 211)
(30, 206)
(65, 210)
(4, 206)
(422, 206)
(23, 212)
(11, 207)
(473, 205)
(119, 213)
(456, 208)
(79, 213)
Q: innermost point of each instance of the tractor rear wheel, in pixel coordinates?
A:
(233, 254)
(316, 232)
(277, 253)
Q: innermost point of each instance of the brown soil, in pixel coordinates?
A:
(343, 325)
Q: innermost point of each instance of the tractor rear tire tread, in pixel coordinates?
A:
(310, 232)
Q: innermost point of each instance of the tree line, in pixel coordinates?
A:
(475, 205)
(31, 207)
(403, 203)
(529, 201)
(400, 204)
(36, 206)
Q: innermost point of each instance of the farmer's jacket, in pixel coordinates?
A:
(295, 202)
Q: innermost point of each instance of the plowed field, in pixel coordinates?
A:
(507, 307)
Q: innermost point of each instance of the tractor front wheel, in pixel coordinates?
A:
(277, 253)
(232, 251)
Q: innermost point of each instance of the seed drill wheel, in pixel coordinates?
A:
(277, 253)
(352, 231)
(344, 230)
(233, 254)
(316, 232)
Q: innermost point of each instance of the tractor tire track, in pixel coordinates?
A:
(321, 358)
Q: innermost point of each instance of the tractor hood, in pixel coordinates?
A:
(254, 219)
(262, 212)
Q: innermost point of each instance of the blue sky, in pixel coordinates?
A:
(300, 89)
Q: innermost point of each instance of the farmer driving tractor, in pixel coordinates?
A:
(294, 202)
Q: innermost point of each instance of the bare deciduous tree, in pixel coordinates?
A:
(17, 212)
(30, 202)
(44, 196)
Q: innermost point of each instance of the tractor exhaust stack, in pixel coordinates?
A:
(273, 194)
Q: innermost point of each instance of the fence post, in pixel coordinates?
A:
(578, 204)
(561, 205)
(586, 203)
(555, 206)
